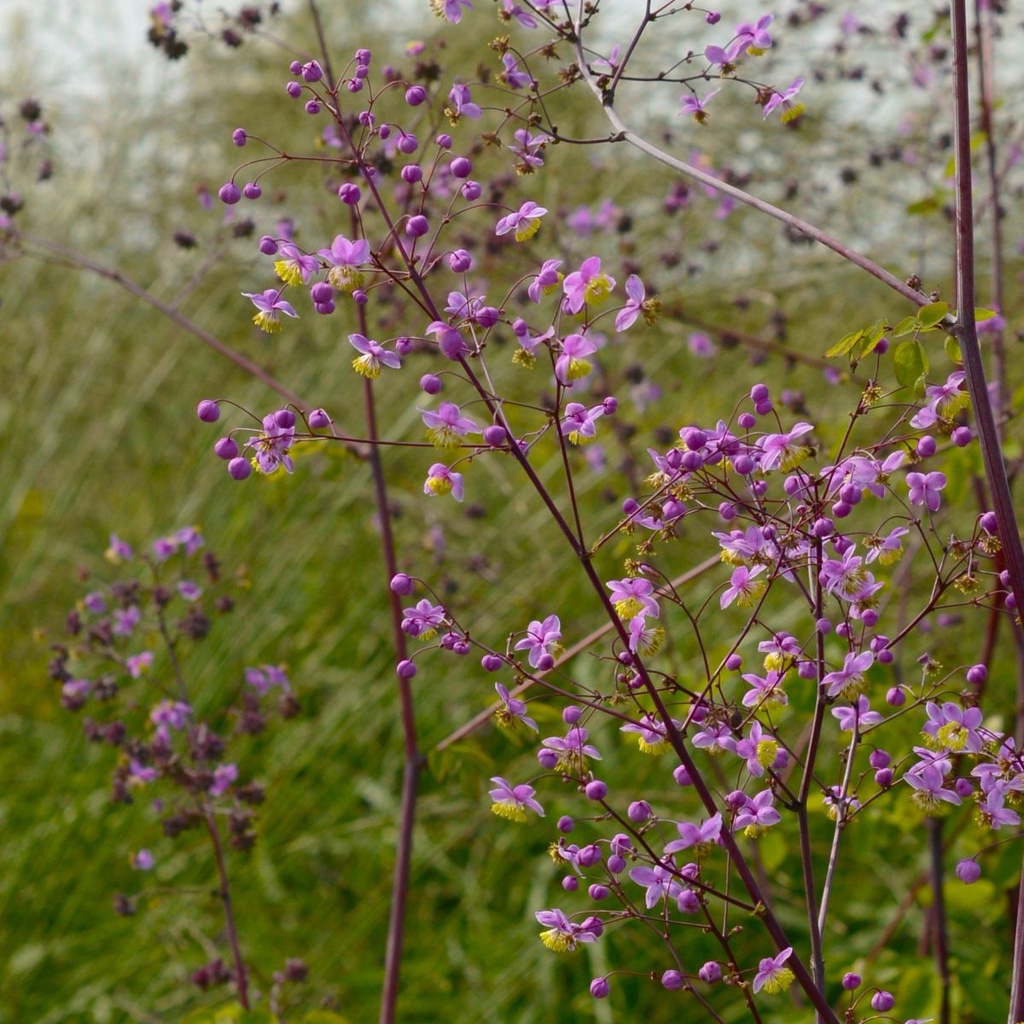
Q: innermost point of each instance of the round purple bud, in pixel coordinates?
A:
(639, 811)
(407, 142)
(460, 261)
(885, 656)
(324, 308)
(682, 776)
(961, 436)
(402, 584)
(229, 193)
(882, 1001)
(294, 90)
(411, 173)
(694, 438)
(572, 714)
(239, 468)
(268, 245)
(879, 759)
(895, 697)
(759, 393)
(746, 420)
(252, 191)
(841, 509)
(350, 193)
(495, 435)
(444, 141)
(988, 522)
(851, 981)
(671, 980)
(239, 138)
(461, 167)
(977, 674)
(319, 420)
(226, 448)
(743, 464)
(823, 527)
(406, 669)
(208, 411)
(431, 383)
(710, 972)
(616, 863)
(545, 663)
(415, 95)
(312, 72)
(869, 617)
(570, 883)
(595, 790)
(566, 824)
(284, 418)
(321, 292)
(884, 777)
(403, 345)
(472, 191)
(491, 662)
(599, 988)
(734, 662)
(926, 446)
(727, 510)
(359, 297)
(417, 227)
(763, 408)
(611, 406)
(968, 871)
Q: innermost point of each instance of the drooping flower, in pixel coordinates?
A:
(422, 620)
(269, 307)
(442, 480)
(373, 357)
(633, 596)
(743, 588)
(512, 710)
(512, 76)
(848, 681)
(272, 446)
(345, 257)
(703, 836)
(692, 104)
(953, 728)
(772, 974)
(586, 285)
(450, 10)
(512, 802)
(546, 281)
(460, 103)
(293, 266)
(650, 734)
(659, 882)
(790, 110)
(563, 935)
(580, 423)
(857, 715)
(525, 221)
(446, 426)
(572, 365)
(637, 304)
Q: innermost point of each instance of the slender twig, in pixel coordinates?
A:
(940, 946)
(224, 892)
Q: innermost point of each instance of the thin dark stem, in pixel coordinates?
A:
(224, 892)
(938, 914)
(966, 333)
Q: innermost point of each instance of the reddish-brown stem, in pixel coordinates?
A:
(224, 892)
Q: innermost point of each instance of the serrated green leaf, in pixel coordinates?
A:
(871, 338)
(845, 344)
(910, 363)
(932, 314)
(906, 326)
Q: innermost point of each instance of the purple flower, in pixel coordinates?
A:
(765, 690)
(849, 680)
(344, 258)
(742, 587)
(512, 710)
(539, 637)
(460, 100)
(562, 935)
(659, 882)
(857, 716)
(272, 446)
(546, 280)
(374, 355)
(525, 221)
(780, 450)
(528, 148)
(571, 364)
(442, 480)
(224, 777)
(447, 425)
(422, 620)
(927, 778)
(772, 975)
(512, 76)
(512, 802)
(790, 111)
(700, 836)
(633, 596)
(269, 305)
(924, 489)
(697, 107)
(265, 677)
(580, 423)
(650, 734)
(586, 285)
(635, 305)
(757, 813)
(137, 664)
(293, 266)
(125, 620)
(954, 728)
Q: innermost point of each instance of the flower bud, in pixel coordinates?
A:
(402, 584)
(208, 411)
(239, 468)
(319, 420)
(968, 871)
(415, 95)
(238, 137)
(229, 193)
(226, 449)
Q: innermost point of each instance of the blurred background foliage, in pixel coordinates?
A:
(100, 436)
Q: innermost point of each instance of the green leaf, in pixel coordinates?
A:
(930, 204)
(981, 314)
(932, 314)
(906, 326)
(872, 337)
(324, 1017)
(845, 344)
(953, 352)
(910, 362)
